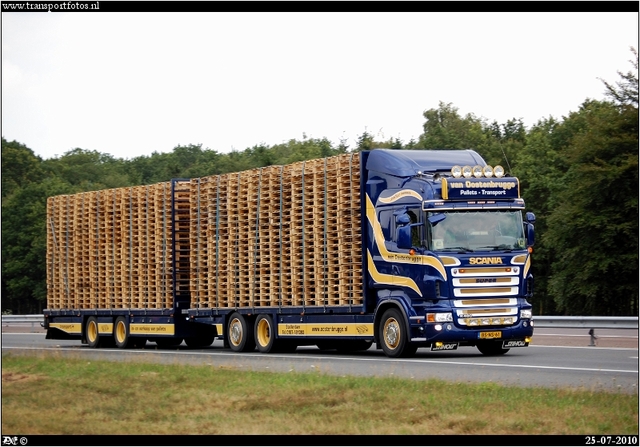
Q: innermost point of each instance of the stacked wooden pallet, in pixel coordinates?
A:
(275, 236)
(110, 249)
(278, 236)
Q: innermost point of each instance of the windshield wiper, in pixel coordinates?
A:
(458, 249)
(504, 248)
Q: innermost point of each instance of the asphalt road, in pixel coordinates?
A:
(557, 358)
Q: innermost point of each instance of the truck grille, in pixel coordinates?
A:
(485, 281)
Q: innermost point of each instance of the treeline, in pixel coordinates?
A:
(578, 174)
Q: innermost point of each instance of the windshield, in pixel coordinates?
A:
(476, 230)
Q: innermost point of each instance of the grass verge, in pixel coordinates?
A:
(49, 395)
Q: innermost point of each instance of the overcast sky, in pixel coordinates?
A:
(130, 84)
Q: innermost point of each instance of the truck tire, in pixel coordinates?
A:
(121, 333)
(92, 332)
(240, 334)
(492, 348)
(393, 335)
(265, 333)
(265, 336)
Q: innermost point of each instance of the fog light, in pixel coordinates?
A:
(438, 327)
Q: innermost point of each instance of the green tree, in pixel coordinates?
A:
(19, 167)
(89, 170)
(594, 223)
(444, 128)
(24, 245)
(540, 165)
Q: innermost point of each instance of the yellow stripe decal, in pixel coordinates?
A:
(70, 328)
(333, 329)
(401, 194)
(382, 278)
(160, 329)
(395, 257)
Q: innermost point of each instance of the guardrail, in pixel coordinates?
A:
(586, 322)
(8, 320)
(540, 321)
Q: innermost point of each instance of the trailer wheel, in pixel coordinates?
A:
(240, 334)
(121, 333)
(492, 348)
(92, 333)
(394, 336)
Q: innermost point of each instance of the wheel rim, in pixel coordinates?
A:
(121, 331)
(235, 332)
(92, 331)
(263, 332)
(391, 333)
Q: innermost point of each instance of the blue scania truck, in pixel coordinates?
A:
(401, 249)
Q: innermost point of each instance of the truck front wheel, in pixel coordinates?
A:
(240, 334)
(394, 336)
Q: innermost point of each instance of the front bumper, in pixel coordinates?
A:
(428, 334)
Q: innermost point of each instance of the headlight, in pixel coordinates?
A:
(439, 317)
(526, 313)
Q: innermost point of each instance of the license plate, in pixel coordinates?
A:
(491, 334)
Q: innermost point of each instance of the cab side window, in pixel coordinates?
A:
(388, 225)
(416, 231)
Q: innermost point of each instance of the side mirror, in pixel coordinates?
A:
(405, 238)
(530, 217)
(402, 219)
(530, 220)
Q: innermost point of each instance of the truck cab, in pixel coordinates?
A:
(448, 252)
